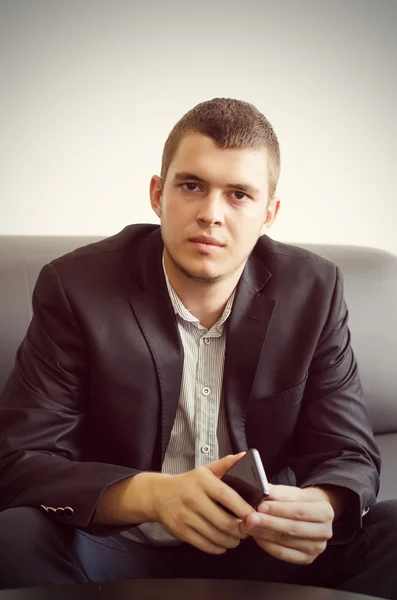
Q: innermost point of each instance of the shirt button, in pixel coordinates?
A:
(205, 449)
(206, 391)
(207, 341)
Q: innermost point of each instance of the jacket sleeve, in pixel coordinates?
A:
(42, 417)
(334, 439)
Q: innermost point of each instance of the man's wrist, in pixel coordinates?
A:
(129, 501)
(337, 496)
(139, 498)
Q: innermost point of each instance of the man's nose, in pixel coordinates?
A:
(211, 209)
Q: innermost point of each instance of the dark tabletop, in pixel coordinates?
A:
(179, 589)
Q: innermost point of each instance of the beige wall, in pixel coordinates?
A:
(91, 88)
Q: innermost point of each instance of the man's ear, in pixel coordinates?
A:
(271, 214)
(155, 191)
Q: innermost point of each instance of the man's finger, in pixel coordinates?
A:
(216, 516)
(290, 493)
(285, 493)
(219, 467)
(315, 512)
(277, 528)
(308, 546)
(202, 543)
(228, 498)
(220, 492)
(286, 554)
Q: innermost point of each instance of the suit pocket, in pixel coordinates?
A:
(281, 400)
(270, 425)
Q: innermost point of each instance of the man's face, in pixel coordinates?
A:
(202, 201)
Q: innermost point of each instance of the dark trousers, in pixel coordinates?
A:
(36, 551)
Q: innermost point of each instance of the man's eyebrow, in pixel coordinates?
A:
(244, 187)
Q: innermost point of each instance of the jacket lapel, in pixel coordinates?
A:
(247, 328)
(153, 310)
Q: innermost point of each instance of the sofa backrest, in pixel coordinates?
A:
(370, 277)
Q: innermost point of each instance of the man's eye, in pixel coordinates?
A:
(242, 195)
(190, 189)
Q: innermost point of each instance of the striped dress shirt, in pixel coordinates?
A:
(199, 434)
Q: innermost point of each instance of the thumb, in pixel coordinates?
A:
(219, 467)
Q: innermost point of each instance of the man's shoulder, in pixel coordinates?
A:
(294, 267)
(126, 240)
(273, 252)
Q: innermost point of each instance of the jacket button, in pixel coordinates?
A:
(60, 512)
(68, 512)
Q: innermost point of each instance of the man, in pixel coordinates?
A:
(159, 355)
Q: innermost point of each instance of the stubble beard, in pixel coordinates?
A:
(200, 279)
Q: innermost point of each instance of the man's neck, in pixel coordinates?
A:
(206, 302)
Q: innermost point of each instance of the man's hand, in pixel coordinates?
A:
(187, 505)
(292, 524)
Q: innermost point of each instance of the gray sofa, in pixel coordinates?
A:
(371, 293)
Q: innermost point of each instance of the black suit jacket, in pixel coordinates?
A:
(93, 394)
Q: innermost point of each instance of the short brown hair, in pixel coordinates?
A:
(231, 124)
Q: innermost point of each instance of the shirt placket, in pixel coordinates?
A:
(206, 446)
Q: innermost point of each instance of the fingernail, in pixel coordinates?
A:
(263, 508)
(254, 519)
